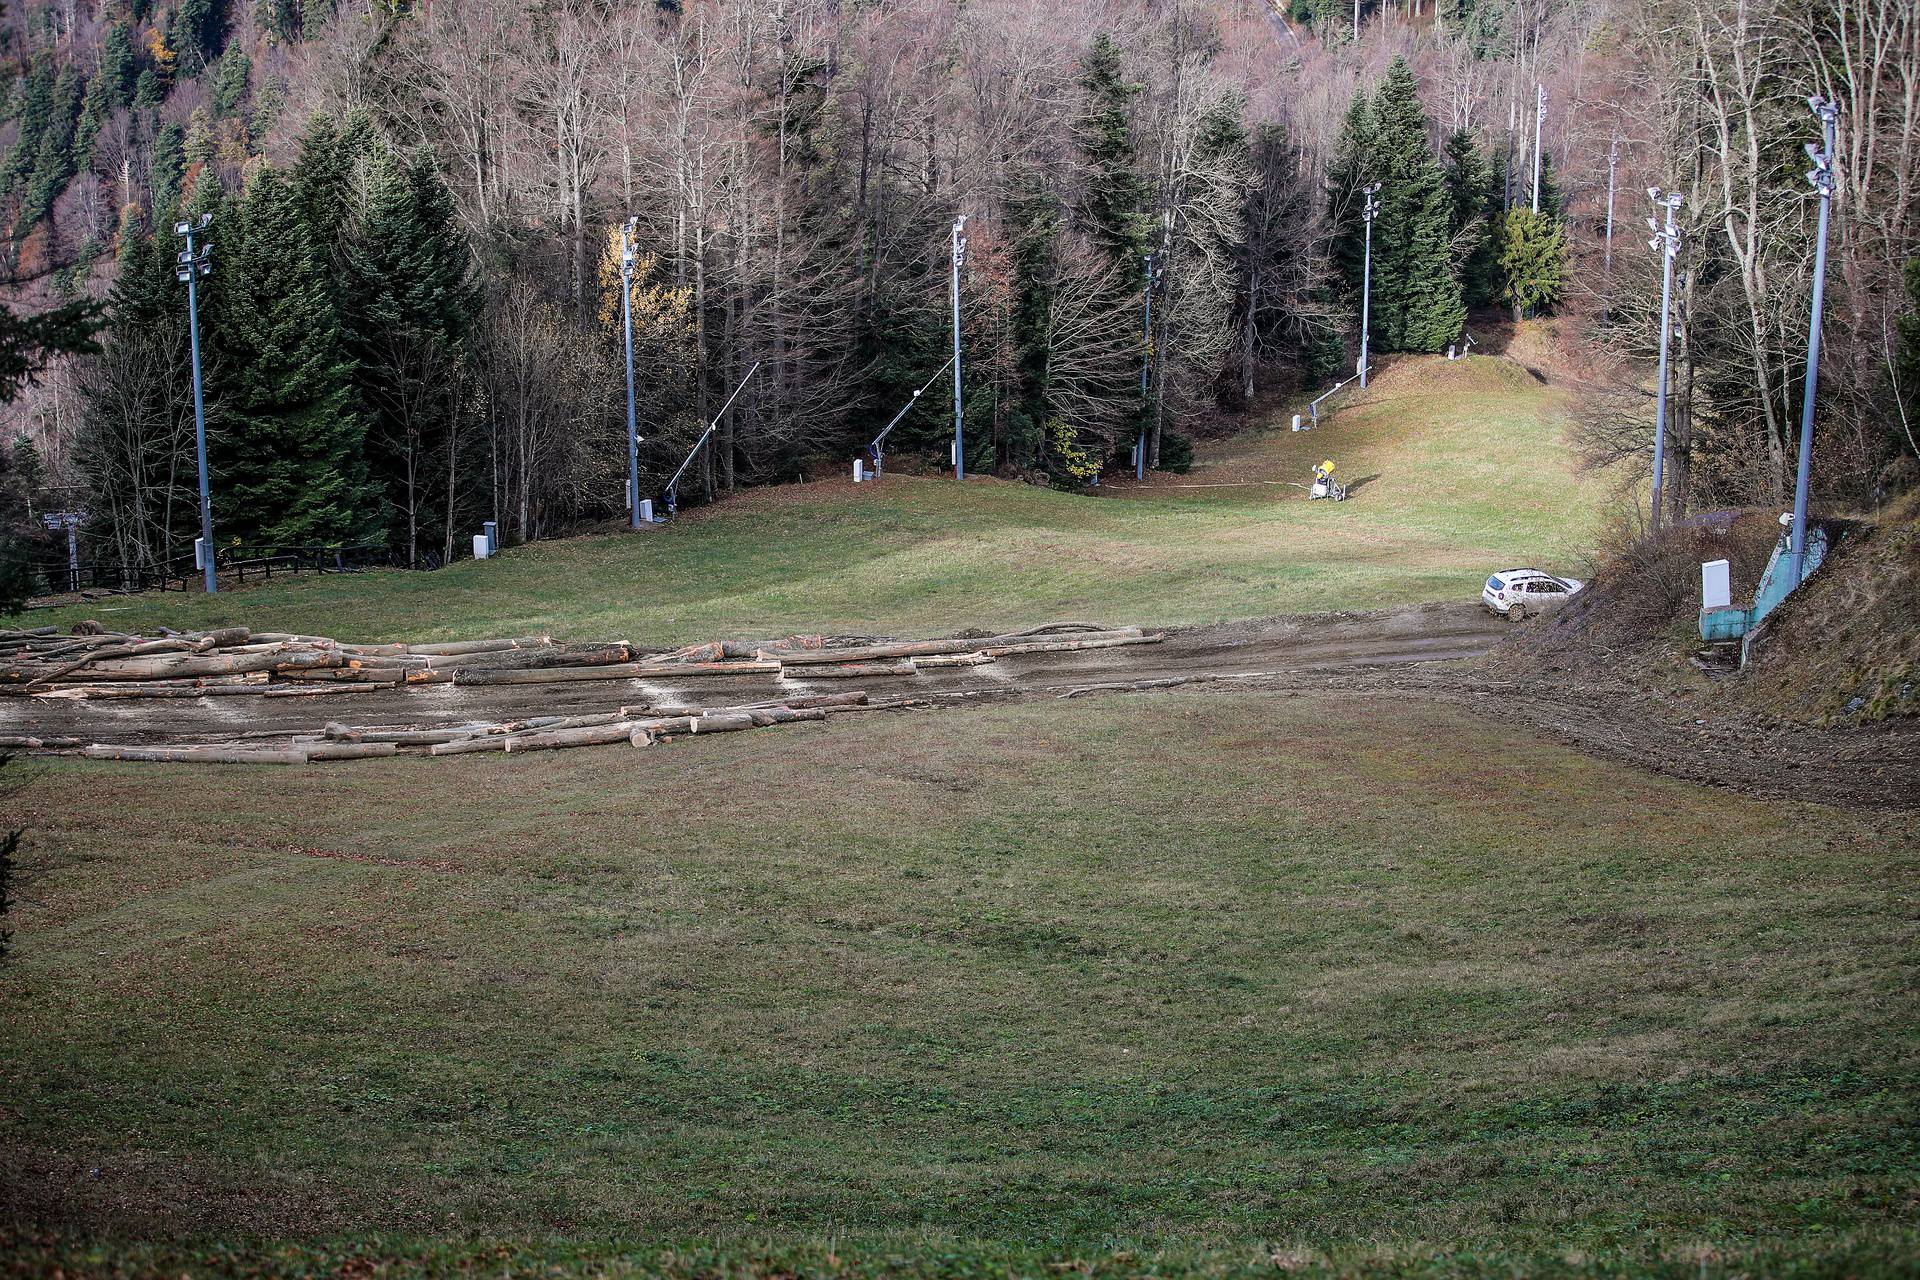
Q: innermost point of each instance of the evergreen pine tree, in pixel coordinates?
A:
(169, 172)
(35, 115)
(410, 307)
(1033, 217)
(119, 68)
(1553, 201)
(149, 90)
(1354, 166)
(198, 33)
(1533, 259)
(53, 158)
(293, 440)
(230, 82)
(95, 108)
(1417, 302)
(1115, 214)
(1476, 250)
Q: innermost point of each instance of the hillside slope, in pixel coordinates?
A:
(1456, 468)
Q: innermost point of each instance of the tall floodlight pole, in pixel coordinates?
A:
(1821, 177)
(189, 266)
(1367, 213)
(1539, 117)
(959, 414)
(1613, 164)
(626, 319)
(1665, 242)
(1146, 361)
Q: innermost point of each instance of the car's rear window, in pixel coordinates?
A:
(1495, 584)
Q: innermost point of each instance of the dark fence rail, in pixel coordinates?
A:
(235, 564)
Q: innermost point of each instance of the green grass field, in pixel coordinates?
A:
(1380, 980)
(1214, 983)
(1459, 469)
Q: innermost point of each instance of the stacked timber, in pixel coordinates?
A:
(95, 663)
(636, 725)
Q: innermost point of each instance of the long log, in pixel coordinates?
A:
(580, 736)
(852, 671)
(918, 648)
(724, 722)
(594, 655)
(952, 660)
(477, 742)
(765, 716)
(797, 701)
(618, 671)
(28, 742)
(1064, 646)
(452, 647)
(347, 675)
(348, 750)
(214, 664)
(195, 755)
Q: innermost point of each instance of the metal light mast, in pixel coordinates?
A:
(1146, 361)
(1367, 213)
(959, 414)
(1821, 176)
(189, 266)
(626, 318)
(1665, 242)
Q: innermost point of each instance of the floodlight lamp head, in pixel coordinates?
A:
(1826, 110)
(180, 228)
(1675, 199)
(206, 220)
(1653, 194)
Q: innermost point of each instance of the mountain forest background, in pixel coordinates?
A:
(413, 318)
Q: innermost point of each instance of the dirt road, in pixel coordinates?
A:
(1409, 652)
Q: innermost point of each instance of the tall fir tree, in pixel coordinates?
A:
(1354, 166)
(1033, 217)
(292, 437)
(1115, 213)
(409, 308)
(1533, 260)
(1476, 253)
(1417, 304)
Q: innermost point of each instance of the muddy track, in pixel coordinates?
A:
(1409, 652)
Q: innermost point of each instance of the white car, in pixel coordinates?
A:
(1526, 593)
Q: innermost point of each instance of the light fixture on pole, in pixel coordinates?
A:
(626, 318)
(1666, 242)
(1539, 117)
(1821, 176)
(959, 415)
(68, 522)
(1367, 214)
(191, 264)
(1150, 274)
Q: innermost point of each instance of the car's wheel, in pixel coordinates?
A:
(1516, 613)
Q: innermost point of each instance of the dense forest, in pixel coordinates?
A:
(412, 320)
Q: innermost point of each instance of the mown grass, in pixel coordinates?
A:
(1460, 467)
(1365, 982)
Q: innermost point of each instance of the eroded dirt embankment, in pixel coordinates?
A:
(1414, 652)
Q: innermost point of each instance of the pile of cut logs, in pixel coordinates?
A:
(233, 661)
(639, 725)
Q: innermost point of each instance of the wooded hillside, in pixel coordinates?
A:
(413, 319)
